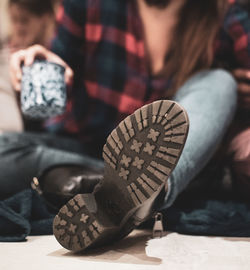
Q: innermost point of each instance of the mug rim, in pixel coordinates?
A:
(45, 61)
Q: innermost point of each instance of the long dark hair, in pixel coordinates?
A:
(36, 7)
(193, 40)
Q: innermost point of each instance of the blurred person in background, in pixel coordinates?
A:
(238, 139)
(31, 22)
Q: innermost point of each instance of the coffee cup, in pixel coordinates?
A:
(43, 90)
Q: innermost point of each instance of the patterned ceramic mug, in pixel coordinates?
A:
(43, 92)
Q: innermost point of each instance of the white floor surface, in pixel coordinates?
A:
(138, 251)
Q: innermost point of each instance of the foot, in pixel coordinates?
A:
(139, 156)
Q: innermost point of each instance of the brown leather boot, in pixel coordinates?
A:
(139, 156)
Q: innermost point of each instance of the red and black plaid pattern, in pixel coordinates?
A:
(102, 40)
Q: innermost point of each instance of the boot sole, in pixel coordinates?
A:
(139, 156)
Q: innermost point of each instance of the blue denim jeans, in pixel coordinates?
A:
(25, 155)
(209, 98)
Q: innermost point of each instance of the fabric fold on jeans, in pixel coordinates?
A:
(209, 217)
(27, 214)
(24, 214)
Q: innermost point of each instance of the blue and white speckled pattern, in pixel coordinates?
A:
(43, 90)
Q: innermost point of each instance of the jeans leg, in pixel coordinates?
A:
(209, 98)
(24, 156)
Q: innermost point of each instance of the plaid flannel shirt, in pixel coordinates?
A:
(102, 40)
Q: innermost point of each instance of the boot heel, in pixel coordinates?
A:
(78, 224)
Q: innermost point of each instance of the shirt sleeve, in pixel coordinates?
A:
(69, 39)
(234, 38)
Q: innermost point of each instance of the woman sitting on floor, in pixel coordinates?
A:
(125, 54)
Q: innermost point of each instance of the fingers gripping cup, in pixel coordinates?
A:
(43, 92)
